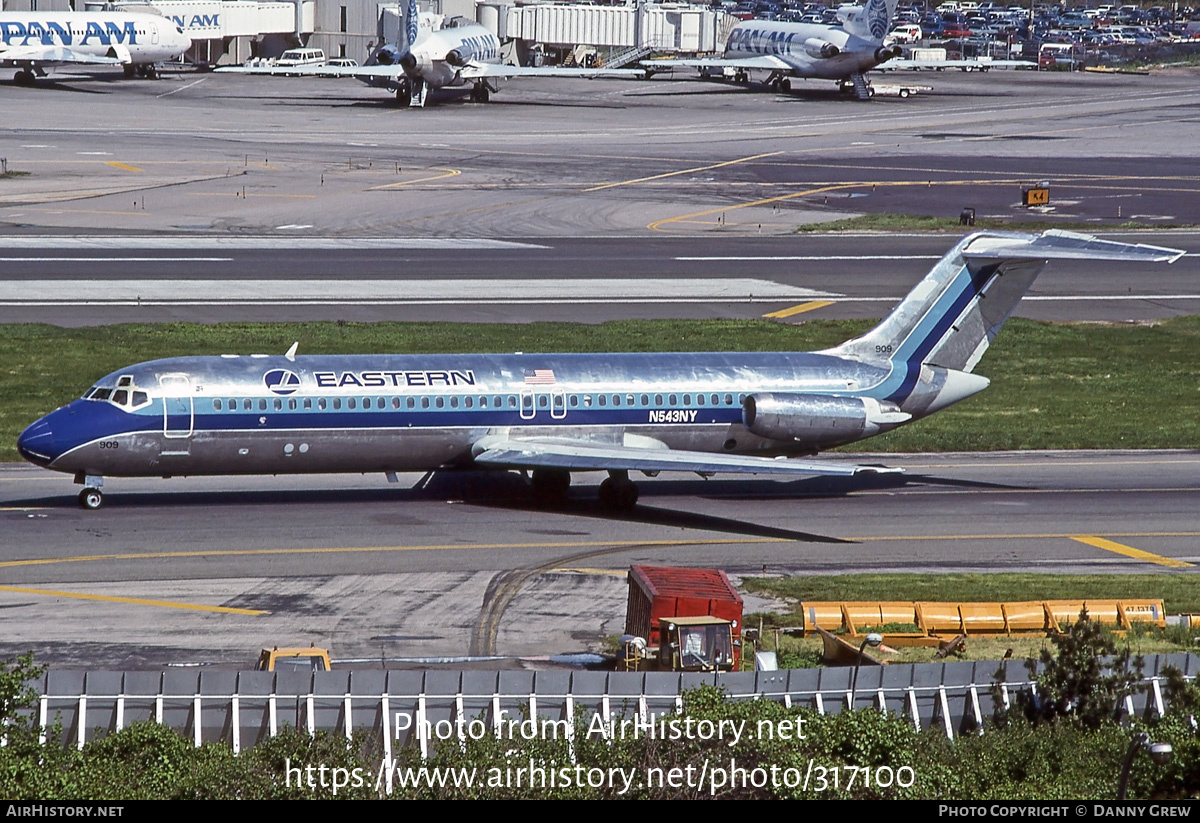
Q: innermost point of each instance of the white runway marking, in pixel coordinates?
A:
(824, 257)
(394, 292)
(114, 259)
(208, 242)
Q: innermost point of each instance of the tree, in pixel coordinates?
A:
(1083, 679)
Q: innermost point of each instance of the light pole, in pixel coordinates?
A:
(872, 640)
(1160, 753)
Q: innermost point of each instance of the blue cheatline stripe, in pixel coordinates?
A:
(911, 353)
(105, 425)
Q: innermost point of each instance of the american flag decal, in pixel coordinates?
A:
(539, 377)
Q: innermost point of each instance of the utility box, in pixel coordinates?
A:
(660, 594)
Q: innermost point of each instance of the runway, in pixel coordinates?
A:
(99, 279)
(373, 569)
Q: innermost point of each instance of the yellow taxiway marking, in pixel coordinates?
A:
(580, 544)
(445, 173)
(803, 307)
(1129, 551)
(250, 194)
(604, 572)
(124, 166)
(683, 171)
(166, 604)
(574, 544)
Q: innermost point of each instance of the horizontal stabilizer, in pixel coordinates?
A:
(588, 456)
(1065, 245)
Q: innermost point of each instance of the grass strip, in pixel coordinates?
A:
(917, 222)
(1179, 592)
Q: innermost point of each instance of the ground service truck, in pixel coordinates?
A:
(681, 619)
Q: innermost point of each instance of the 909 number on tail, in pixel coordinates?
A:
(883, 349)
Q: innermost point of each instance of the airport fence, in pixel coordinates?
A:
(419, 708)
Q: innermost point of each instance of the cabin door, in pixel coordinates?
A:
(179, 413)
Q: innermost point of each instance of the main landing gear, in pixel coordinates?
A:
(91, 497)
(550, 487)
(481, 92)
(618, 492)
(146, 70)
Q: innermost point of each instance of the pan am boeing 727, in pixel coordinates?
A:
(438, 53)
(553, 414)
(843, 52)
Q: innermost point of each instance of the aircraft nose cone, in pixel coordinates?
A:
(36, 443)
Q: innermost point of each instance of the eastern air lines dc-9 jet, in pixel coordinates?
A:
(554, 414)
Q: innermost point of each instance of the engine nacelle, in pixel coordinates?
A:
(819, 421)
(456, 58)
(885, 53)
(821, 48)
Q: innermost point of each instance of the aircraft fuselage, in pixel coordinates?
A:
(367, 413)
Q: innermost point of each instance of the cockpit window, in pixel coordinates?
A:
(126, 395)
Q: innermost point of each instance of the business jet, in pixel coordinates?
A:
(32, 41)
(438, 53)
(843, 52)
(554, 414)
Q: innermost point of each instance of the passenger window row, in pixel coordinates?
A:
(543, 400)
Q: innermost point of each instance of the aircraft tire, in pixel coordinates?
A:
(23, 78)
(785, 85)
(91, 499)
(550, 485)
(618, 495)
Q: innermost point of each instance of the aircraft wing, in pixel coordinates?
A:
(52, 55)
(966, 65)
(765, 62)
(318, 71)
(476, 71)
(583, 456)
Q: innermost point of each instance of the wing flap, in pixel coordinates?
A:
(588, 456)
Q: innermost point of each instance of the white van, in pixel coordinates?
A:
(301, 57)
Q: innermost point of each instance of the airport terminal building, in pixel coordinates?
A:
(235, 31)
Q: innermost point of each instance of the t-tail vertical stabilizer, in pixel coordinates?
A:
(937, 334)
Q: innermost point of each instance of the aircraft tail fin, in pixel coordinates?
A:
(949, 318)
(873, 22)
(411, 21)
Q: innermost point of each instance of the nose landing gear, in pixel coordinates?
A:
(91, 497)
